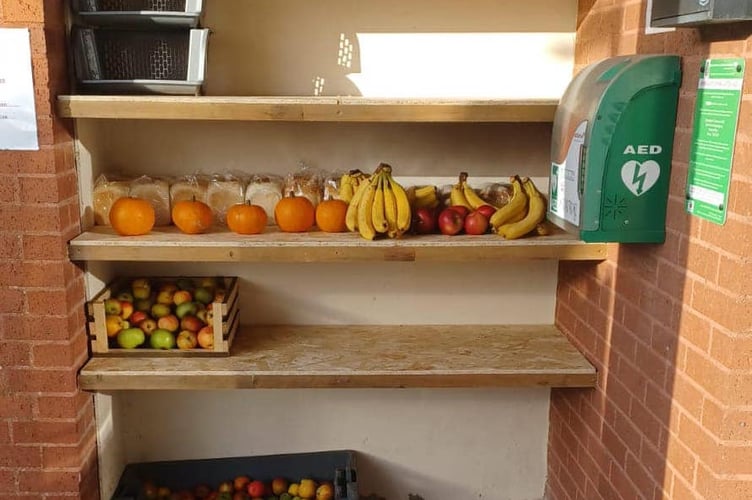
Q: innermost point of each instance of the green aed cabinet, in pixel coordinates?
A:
(611, 149)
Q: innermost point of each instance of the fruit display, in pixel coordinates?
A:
(374, 205)
(243, 487)
(163, 314)
(380, 206)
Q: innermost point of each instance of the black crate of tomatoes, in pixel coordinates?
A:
(326, 475)
(177, 316)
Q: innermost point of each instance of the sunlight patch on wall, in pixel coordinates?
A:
(464, 65)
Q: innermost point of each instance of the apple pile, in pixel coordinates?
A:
(453, 220)
(244, 488)
(163, 314)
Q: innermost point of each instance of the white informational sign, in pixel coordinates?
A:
(18, 120)
(564, 195)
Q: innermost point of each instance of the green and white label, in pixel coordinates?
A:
(713, 136)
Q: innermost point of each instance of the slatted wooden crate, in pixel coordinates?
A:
(224, 321)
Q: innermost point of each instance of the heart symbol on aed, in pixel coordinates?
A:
(640, 177)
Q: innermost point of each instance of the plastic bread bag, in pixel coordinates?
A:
(332, 183)
(189, 187)
(106, 191)
(307, 182)
(265, 190)
(223, 192)
(157, 191)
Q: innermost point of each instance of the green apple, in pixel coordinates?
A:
(112, 306)
(162, 339)
(186, 309)
(203, 295)
(130, 338)
(141, 288)
(158, 310)
(125, 296)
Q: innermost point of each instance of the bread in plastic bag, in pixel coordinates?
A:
(157, 191)
(265, 190)
(107, 190)
(223, 192)
(307, 182)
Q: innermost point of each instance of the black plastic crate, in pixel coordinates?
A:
(338, 466)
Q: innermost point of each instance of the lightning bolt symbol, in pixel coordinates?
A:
(638, 179)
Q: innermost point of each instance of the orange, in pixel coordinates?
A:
(330, 216)
(192, 216)
(132, 216)
(245, 218)
(294, 214)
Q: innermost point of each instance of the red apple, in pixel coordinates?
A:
(126, 309)
(169, 322)
(137, 317)
(487, 210)
(424, 221)
(241, 482)
(476, 223)
(450, 222)
(206, 337)
(256, 489)
(186, 339)
(148, 325)
(463, 211)
(181, 296)
(191, 323)
(279, 485)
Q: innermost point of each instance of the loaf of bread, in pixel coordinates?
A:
(157, 192)
(265, 191)
(191, 187)
(307, 183)
(221, 194)
(104, 194)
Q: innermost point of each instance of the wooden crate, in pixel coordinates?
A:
(224, 322)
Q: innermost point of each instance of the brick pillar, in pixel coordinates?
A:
(47, 428)
(669, 327)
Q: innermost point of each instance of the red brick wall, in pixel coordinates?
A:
(47, 429)
(669, 327)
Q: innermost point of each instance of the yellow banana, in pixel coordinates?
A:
(425, 197)
(378, 216)
(457, 196)
(424, 191)
(471, 196)
(411, 196)
(390, 209)
(365, 209)
(404, 213)
(351, 217)
(346, 189)
(517, 204)
(535, 214)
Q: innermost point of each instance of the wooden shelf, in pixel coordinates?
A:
(314, 109)
(167, 244)
(360, 356)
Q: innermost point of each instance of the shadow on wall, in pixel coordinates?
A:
(634, 316)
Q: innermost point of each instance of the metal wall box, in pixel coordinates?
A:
(685, 13)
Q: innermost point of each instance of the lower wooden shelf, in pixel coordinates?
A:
(358, 356)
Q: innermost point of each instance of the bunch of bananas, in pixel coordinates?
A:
(423, 196)
(464, 195)
(349, 183)
(379, 206)
(524, 213)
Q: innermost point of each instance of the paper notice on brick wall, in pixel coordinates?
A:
(18, 120)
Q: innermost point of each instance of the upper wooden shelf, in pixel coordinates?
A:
(167, 244)
(297, 109)
(360, 356)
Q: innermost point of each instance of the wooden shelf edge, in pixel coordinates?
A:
(167, 244)
(361, 356)
(314, 109)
